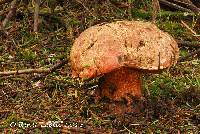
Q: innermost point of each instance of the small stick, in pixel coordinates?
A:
(189, 5)
(156, 9)
(36, 16)
(25, 71)
(188, 43)
(174, 6)
(191, 30)
(38, 70)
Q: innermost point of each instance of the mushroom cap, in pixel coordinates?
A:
(134, 44)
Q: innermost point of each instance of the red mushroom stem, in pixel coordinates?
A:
(123, 83)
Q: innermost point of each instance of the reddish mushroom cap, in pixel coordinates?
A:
(135, 44)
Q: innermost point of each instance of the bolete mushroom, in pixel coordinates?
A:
(120, 51)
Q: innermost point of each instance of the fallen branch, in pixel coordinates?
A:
(183, 5)
(25, 71)
(188, 43)
(38, 70)
(173, 5)
(189, 5)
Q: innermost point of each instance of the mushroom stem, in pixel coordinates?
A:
(121, 84)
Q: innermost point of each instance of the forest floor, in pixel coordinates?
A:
(56, 103)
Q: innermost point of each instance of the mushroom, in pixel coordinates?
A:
(121, 52)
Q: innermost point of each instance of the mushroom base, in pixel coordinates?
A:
(122, 85)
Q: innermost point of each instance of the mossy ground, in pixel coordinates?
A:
(172, 98)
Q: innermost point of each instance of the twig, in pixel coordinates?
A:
(38, 70)
(25, 71)
(183, 5)
(174, 5)
(129, 8)
(156, 9)
(189, 5)
(129, 131)
(36, 16)
(191, 30)
(12, 11)
(188, 43)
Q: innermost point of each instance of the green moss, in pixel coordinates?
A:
(173, 28)
(27, 55)
(140, 14)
